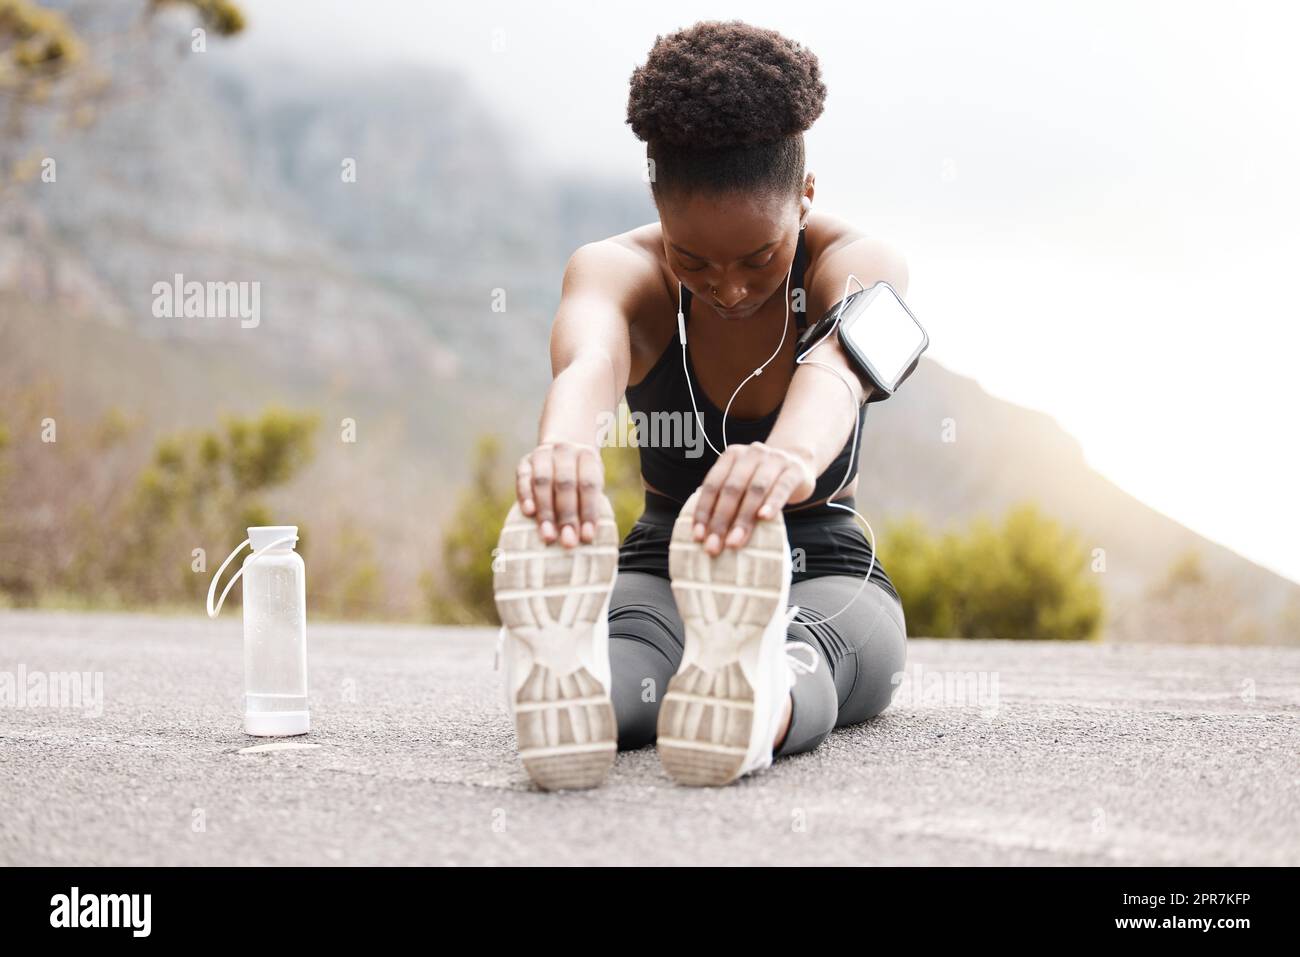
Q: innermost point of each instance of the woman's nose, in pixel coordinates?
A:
(728, 295)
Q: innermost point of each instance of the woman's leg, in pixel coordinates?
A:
(645, 648)
(861, 651)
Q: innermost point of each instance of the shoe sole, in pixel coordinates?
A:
(549, 598)
(726, 603)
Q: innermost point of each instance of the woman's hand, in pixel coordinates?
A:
(560, 484)
(747, 484)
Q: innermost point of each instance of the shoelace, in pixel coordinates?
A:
(797, 665)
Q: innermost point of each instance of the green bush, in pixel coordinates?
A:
(1027, 578)
(623, 485)
(461, 592)
(202, 489)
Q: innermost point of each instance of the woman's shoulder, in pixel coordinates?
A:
(634, 269)
(837, 247)
(628, 271)
(827, 235)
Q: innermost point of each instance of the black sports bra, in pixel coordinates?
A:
(674, 454)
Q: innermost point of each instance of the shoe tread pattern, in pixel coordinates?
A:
(549, 598)
(725, 602)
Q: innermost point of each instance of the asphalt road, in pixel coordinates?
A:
(1072, 754)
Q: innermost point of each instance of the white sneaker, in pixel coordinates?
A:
(724, 704)
(554, 641)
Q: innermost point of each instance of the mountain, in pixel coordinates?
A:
(1004, 454)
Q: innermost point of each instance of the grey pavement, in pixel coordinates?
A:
(1065, 754)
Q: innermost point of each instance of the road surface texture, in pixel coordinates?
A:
(1066, 754)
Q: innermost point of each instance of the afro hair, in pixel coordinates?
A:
(724, 84)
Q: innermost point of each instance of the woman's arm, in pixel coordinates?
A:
(753, 482)
(560, 482)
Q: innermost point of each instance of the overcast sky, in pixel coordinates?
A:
(1098, 201)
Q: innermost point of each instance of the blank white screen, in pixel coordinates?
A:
(886, 335)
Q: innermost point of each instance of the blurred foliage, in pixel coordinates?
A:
(1185, 571)
(45, 63)
(346, 582)
(114, 428)
(1192, 606)
(1027, 578)
(462, 592)
(35, 43)
(220, 16)
(202, 490)
(1288, 620)
(623, 486)
(108, 518)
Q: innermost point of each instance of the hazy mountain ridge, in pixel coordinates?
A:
(1004, 454)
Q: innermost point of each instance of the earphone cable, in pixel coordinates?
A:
(799, 360)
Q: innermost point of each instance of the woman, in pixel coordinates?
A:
(611, 646)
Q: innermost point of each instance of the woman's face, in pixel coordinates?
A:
(731, 250)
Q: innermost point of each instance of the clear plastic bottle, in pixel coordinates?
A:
(275, 634)
(275, 631)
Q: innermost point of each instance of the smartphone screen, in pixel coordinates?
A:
(881, 328)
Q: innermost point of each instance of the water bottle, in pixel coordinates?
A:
(275, 631)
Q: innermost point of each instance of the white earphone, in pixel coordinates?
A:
(799, 360)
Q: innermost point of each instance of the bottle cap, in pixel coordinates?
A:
(264, 536)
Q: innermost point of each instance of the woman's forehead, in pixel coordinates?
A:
(724, 227)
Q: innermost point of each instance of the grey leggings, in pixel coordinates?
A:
(860, 651)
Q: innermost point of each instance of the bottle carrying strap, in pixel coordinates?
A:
(212, 589)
